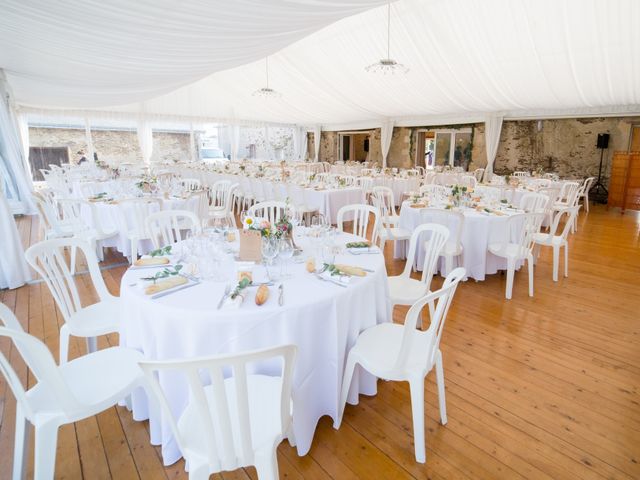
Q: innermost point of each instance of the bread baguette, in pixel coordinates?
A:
(146, 262)
(262, 295)
(165, 285)
(350, 270)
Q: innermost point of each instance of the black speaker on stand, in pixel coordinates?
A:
(599, 192)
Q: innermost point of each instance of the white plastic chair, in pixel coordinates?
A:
(557, 241)
(388, 229)
(232, 422)
(63, 394)
(166, 226)
(454, 221)
(404, 290)
(403, 353)
(432, 189)
(134, 214)
(468, 181)
(101, 318)
(584, 194)
(517, 245)
(534, 202)
(361, 214)
(223, 210)
(191, 184)
(271, 210)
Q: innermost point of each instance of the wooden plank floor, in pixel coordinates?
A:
(542, 387)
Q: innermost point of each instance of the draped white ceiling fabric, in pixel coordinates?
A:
(467, 58)
(492, 129)
(386, 133)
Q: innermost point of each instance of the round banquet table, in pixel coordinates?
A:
(321, 318)
(479, 230)
(327, 201)
(118, 215)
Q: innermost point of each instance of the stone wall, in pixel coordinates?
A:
(565, 146)
(112, 146)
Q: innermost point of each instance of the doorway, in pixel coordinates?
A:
(354, 146)
(444, 147)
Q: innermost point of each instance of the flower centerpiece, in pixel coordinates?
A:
(145, 183)
(457, 193)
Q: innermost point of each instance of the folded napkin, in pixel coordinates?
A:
(150, 261)
(343, 279)
(233, 303)
(162, 285)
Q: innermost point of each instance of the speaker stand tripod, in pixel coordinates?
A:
(599, 192)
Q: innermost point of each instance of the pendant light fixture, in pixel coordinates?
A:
(266, 92)
(387, 66)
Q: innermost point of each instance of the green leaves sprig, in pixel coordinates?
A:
(242, 284)
(161, 251)
(164, 273)
(332, 269)
(358, 245)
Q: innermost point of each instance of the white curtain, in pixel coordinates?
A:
(299, 143)
(317, 133)
(145, 139)
(13, 172)
(13, 267)
(386, 132)
(89, 140)
(492, 129)
(192, 145)
(235, 141)
(23, 128)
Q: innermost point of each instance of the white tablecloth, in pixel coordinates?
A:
(328, 201)
(13, 267)
(478, 232)
(321, 318)
(119, 217)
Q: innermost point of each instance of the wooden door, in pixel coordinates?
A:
(42, 157)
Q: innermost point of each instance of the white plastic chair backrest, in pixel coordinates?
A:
(534, 202)
(442, 299)
(570, 213)
(226, 449)
(219, 193)
(191, 183)
(46, 212)
(587, 184)
(38, 358)
(366, 183)
(437, 239)
(96, 222)
(349, 180)
(520, 230)
(270, 210)
(200, 202)
(478, 173)
(453, 221)
(166, 227)
(134, 214)
(383, 199)
(435, 191)
(360, 219)
(552, 193)
(468, 181)
(569, 193)
(72, 211)
(47, 258)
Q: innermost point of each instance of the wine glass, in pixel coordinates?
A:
(269, 252)
(286, 249)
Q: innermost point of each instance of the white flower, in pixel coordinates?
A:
(248, 222)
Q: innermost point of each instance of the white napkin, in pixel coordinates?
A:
(233, 303)
(343, 279)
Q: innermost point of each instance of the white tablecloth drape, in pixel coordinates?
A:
(479, 230)
(13, 267)
(321, 318)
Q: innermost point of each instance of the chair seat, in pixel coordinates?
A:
(97, 381)
(547, 239)
(513, 250)
(264, 413)
(405, 291)
(97, 319)
(377, 350)
(396, 233)
(451, 250)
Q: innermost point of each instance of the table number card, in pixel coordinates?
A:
(250, 246)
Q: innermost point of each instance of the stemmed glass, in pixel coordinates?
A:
(286, 253)
(269, 252)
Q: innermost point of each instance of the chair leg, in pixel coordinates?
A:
(556, 254)
(64, 344)
(92, 344)
(416, 386)
(530, 268)
(511, 270)
(566, 259)
(442, 401)
(344, 393)
(134, 250)
(21, 444)
(45, 450)
(73, 260)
